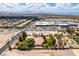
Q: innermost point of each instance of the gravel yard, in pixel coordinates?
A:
(6, 34)
(15, 52)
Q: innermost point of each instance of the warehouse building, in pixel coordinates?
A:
(45, 25)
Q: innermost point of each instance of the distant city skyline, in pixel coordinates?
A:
(41, 8)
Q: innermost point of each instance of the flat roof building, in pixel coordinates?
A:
(46, 23)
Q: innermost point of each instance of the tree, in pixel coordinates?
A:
(51, 40)
(24, 35)
(20, 38)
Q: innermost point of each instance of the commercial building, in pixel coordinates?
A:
(47, 25)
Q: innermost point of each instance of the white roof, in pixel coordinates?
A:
(44, 23)
(55, 23)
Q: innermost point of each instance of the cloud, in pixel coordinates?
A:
(39, 7)
(11, 7)
(76, 7)
(64, 6)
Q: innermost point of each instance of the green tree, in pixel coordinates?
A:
(51, 40)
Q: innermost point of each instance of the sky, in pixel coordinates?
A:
(41, 8)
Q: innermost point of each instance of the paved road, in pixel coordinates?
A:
(29, 27)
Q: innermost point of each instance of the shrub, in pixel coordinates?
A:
(42, 35)
(45, 45)
(70, 30)
(27, 47)
(22, 45)
(45, 40)
(49, 41)
(77, 33)
(58, 35)
(77, 39)
(71, 47)
(35, 35)
(30, 41)
(25, 44)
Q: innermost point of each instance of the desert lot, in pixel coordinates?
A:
(6, 34)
